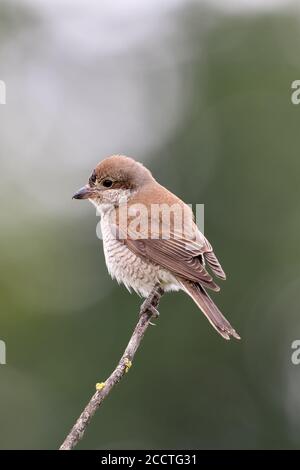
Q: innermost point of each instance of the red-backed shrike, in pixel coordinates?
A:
(150, 237)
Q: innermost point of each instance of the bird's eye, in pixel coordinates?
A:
(107, 183)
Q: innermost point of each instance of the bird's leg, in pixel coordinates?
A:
(151, 302)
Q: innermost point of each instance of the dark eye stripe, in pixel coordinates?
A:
(92, 178)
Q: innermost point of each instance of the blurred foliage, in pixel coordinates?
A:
(234, 148)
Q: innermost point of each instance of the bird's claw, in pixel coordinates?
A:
(154, 311)
(148, 307)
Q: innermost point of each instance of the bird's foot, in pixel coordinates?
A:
(151, 302)
(155, 314)
(148, 307)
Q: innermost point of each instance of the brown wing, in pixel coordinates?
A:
(214, 264)
(181, 256)
(173, 255)
(185, 249)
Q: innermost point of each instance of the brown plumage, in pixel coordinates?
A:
(141, 256)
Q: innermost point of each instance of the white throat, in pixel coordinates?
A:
(111, 200)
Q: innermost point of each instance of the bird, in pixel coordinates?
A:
(142, 247)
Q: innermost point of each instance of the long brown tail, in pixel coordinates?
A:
(210, 310)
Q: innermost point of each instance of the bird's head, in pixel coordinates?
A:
(114, 180)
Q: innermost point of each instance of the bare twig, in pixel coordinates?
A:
(147, 311)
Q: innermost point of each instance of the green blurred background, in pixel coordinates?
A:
(201, 93)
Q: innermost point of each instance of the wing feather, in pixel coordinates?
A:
(183, 254)
(176, 255)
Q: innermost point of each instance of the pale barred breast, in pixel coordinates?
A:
(124, 265)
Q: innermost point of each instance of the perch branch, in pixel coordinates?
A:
(147, 311)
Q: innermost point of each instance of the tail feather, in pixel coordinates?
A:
(210, 310)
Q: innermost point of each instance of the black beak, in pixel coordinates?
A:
(84, 193)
